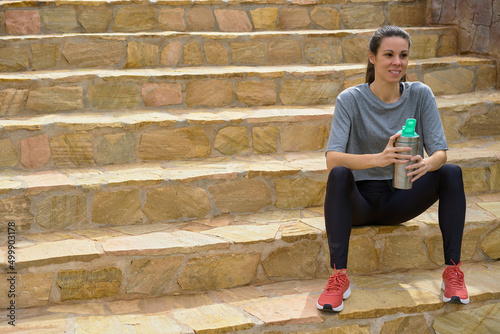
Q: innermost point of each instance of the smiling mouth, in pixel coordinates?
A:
(395, 72)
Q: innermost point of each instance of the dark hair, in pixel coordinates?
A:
(376, 40)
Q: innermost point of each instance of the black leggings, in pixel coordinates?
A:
(349, 203)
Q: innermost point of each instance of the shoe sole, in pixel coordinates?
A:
(453, 299)
(328, 307)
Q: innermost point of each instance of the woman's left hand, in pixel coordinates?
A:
(418, 169)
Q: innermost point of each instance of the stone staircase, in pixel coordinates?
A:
(162, 169)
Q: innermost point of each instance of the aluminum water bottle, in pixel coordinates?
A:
(409, 138)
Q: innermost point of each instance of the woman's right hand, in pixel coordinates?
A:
(392, 154)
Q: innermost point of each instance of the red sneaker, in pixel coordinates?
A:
(454, 285)
(337, 289)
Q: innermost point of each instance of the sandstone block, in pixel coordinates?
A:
(298, 261)
(451, 81)
(161, 94)
(404, 252)
(482, 319)
(59, 19)
(448, 46)
(135, 19)
(115, 148)
(85, 55)
(256, 93)
(285, 52)
(309, 91)
(114, 96)
(35, 151)
(141, 55)
(475, 180)
(72, 149)
(219, 271)
(95, 19)
(209, 93)
(57, 98)
(363, 16)
(487, 124)
(323, 52)
(413, 324)
(150, 275)
(15, 209)
(293, 19)
(495, 177)
(450, 126)
(296, 193)
(406, 15)
(363, 257)
(8, 154)
(22, 22)
(200, 19)
(58, 212)
(232, 140)
(233, 20)
(11, 101)
(31, 289)
(326, 17)
(232, 196)
(124, 322)
(265, 139)
(13, 59)
(83, 284)
(122, 207)
(248, 52)
(299, 231)
(177, 201)
(303, 137)
(171, 54)
(171, 19)
(191, 54)
(264, 18)
(44, 56)
(491, 244)
(182, 143)
(486, 77)
(216, 53)
(355, 50)
(424, 46)
(246, 234)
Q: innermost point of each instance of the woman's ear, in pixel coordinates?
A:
(371, 57)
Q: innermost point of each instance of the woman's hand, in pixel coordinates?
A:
(392, 154)
(418, 169)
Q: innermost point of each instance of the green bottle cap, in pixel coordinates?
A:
(409, 129)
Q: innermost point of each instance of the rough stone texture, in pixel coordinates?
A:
(484, 319)
(487, 124)
(123, 324)
(219, 271)
(141, 55)
(248, 52)
(22, 22)
(58, 212)
(150, 275)
(58, 98)
(200, 19)
(303, 137)
(491, 244)
(264, 18)
(298, 261)
(355, 50)
(44, 56)
(293, 19)
(298, 231)
(324, 52)
(486, 77)
(475, 180)
(86, 55)
(285, 52)
(208, 93)
(13, 59)
(59, 19)
(301, 192)
(122, 207)
(171, 19)
(265, 139)
(233, 20)
(15, 209)
(191, 54)
(216, 53)
(406, 15)
(232, 196)
(161, 94)
(411, 325)
(452, 81)
(11, 101)
(171, 54)
(246, 233)
(424, 46)
(326, 17)
(176, 202)
(495, 177)
(362, 16)
(309, 91)
(363, 256)
(35, 151)
(135, 19)
(182, 143)
(72, 149)
(8, 154)
(83, 284)
(114, 96)
(232, 140)
(95, 19)
(31, 289)
(404, 251)
(115, 148)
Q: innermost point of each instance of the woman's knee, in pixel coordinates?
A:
(340, 177)
(451, 174)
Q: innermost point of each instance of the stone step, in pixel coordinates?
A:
(141, 261)
(226, 86)
(180, 49)
(406, 302)
(157, 192)
(64, 16)
(92, 139)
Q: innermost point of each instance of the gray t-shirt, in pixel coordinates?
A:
(362, 123)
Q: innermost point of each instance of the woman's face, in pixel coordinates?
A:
(391, 60)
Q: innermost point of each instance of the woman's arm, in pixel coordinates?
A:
(429, 164)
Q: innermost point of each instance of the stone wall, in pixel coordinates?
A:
(478, 22)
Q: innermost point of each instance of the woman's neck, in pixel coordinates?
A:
(387, 93)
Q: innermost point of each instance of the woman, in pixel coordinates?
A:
(360, 155)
